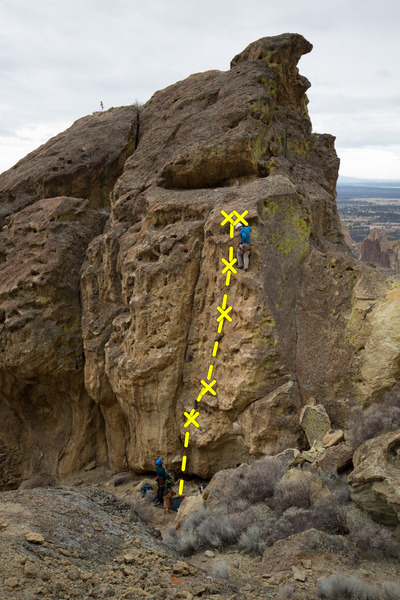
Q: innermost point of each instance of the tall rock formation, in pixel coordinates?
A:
(354, 246)
(49, 424)
(308, 320)
(377, 249)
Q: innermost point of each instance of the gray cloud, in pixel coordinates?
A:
(58, 60)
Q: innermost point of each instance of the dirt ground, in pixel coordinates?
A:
(85, 540)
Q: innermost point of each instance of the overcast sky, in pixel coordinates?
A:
(60, 59)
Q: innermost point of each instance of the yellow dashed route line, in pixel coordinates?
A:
(233, 219)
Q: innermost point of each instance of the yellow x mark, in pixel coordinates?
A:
(224, 313)
(229, 266)
(239, 218)
(191, 418)
(207, 387)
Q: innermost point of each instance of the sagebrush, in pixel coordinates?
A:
(366, 423)
(340, 587)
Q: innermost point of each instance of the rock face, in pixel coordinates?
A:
(354, 246)
(49, 424)
(83, 162)
(45, 407)
(108, 327)
(377, 249)
(375, 481)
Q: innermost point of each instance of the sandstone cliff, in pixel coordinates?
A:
(109, 319)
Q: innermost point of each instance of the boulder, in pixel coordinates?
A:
(317, 488)
(269, 420)
(290, 457)
(189, 505)
(375, 481)
(34, 538)
(333, 437)
(336, 459)
(299, 574)
(314, 454)
(315, 421)
(235, 484)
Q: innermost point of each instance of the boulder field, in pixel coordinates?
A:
(111, 255)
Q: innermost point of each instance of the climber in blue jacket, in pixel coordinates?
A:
(161, 478)
(243, 251)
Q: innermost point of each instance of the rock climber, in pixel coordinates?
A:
(243, 251)
(161, 478)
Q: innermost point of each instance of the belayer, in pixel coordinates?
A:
(245, 245)
(164, 481)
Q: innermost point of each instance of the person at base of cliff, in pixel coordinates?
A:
(161, 478)
(243, 251)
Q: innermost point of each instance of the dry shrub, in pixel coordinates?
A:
(336, 482)
(259, 480)
(188, 543)
(253, 515)
(339, 587)
(390, 591)
(290, 494)
(249, 484)
(329, 514)
(220, 570)
(216, 531)
(286, 592)
(373, 539)
(170, 536)
(248, 520)
(194, 519)
(366, 423)
(203, 529)
(252, 540)
(294, 520)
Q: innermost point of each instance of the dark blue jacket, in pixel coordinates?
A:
(161, 474)
(245, 235)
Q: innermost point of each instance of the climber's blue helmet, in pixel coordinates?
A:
(159, 461)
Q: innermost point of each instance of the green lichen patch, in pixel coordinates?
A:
(300, 146)
(268, 57)
(355, 333)
(291, 230)
(261, 111)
